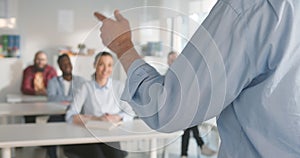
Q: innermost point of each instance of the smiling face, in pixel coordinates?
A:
(104, 67)
(65, 66)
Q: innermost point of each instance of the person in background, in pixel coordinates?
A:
(205, 150)
(172, 57)
(99, 99)
(36, 77)
(62, 89)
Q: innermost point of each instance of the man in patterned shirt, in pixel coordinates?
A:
(36, 77)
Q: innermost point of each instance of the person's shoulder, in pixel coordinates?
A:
(240, 6)
(87, 86)
(79, 78)
(54, 79)
(88, 83)
(80, 81)
(29, 68)
(117, 83)
(50, 68)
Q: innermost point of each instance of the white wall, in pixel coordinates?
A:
(38, 23)
(10, 71)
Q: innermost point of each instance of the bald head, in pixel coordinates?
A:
(40, 60)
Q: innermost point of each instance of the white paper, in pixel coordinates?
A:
(101, 124)
(65, 21)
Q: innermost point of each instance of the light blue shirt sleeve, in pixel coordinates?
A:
(125, 109)
(77, 103)
(241, 65)
(55, 89)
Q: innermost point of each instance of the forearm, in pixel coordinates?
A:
(27, 90)
(140, 93)
(80, 119)
(127, 57)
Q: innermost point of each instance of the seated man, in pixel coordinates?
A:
(99, 99)
(36, 77)
(62, 89)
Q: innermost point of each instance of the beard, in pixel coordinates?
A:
(39, 69)
(67, 73)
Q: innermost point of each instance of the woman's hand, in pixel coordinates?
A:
(108, 117)
(113, 118)
(81, 119)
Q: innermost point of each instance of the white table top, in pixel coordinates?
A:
(63, 133)
(21, 98)
(23, 109)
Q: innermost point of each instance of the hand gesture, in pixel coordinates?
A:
(115, 34)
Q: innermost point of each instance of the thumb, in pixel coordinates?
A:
(118, 16)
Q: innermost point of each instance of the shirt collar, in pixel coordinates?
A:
(108, 84)
(61, 78)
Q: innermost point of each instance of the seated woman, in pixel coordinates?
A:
(98, 99)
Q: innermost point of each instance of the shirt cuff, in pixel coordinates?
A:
(125, 117)
(134, 74)
(138, 71)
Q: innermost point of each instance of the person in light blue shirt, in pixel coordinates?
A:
(241, 65)
(99, 99)
(62, 89)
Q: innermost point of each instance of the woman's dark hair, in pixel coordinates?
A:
(100, 54)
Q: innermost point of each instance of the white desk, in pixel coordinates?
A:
(62, 134)
(21, 98)
(24, 109)
(27, 109)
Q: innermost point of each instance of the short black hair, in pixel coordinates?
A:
(61, 57)
(100, 54)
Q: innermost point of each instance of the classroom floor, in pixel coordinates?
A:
(172, 150)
